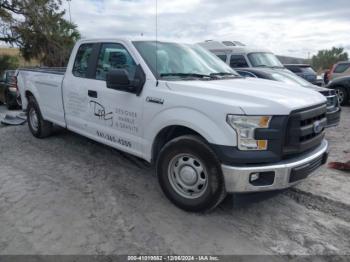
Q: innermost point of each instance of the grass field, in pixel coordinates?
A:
(15, 52)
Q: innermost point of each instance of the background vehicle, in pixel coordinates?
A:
(303, 70)
(243, 56)
(333, 106)
(207, 130)
(342, 88)
(340, 69)
(8, 90)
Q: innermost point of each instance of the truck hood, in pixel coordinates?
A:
(253, 96)
(284, 71)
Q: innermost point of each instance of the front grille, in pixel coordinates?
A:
(305, 129)
(304, 171)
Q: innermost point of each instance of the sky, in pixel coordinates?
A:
(296, 28)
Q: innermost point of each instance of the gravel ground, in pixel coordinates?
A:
(69, 195)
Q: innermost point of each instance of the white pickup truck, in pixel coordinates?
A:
(208, 131)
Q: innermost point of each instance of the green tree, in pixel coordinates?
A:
(8, 62)
(39, 29)
(326, 58)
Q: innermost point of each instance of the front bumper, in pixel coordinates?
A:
(277, 176)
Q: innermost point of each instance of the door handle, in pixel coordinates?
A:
(92, 93)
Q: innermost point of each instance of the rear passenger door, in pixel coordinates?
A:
(76, 88)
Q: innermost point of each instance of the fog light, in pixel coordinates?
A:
(254, 177)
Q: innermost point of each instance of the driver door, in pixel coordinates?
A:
(116, 116)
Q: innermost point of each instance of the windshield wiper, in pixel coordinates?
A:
(262, 66)
(224, 74)
(185, 75)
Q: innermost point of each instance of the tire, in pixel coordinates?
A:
(343, 95)
(39, 127)
(190, 174)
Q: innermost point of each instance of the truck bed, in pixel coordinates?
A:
(50, 70)
(45, 84)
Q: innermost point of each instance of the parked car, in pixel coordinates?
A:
(207, 130)
(303, 70)
(8, 90)
(243, 56)
(339, 70)
(342, 88)
(333, 106)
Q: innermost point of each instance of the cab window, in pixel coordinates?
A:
(222, 57)
(81, 63)
(341, 68)
(237, 61)
(114, 56)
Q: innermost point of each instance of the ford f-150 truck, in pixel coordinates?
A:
(207, 130)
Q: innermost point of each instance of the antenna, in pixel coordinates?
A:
(70, 15)
(157, 40)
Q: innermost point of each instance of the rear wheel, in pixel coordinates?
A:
(342, 95)
(190, 174)
(39, 127)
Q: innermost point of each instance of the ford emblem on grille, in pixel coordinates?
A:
(318, 127)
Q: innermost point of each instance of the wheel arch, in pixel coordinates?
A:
(167, 134)
(27, 94)
(345, 87)
(174, 122)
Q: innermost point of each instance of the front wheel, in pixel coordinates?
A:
(39, 127)
(342, 95)
(190, 174)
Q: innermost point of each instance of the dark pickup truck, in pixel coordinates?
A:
(8, 90)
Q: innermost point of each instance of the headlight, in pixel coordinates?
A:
(245, 127)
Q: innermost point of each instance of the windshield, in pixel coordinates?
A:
(176, 60)
(308, 70)
(264, 60)
(290, 79)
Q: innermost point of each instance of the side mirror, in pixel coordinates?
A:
(119, 79)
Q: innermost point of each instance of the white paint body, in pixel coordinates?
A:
(199, 105)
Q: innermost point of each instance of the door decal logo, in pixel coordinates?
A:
(100, 112)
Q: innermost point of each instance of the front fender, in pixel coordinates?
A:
(214, 131)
